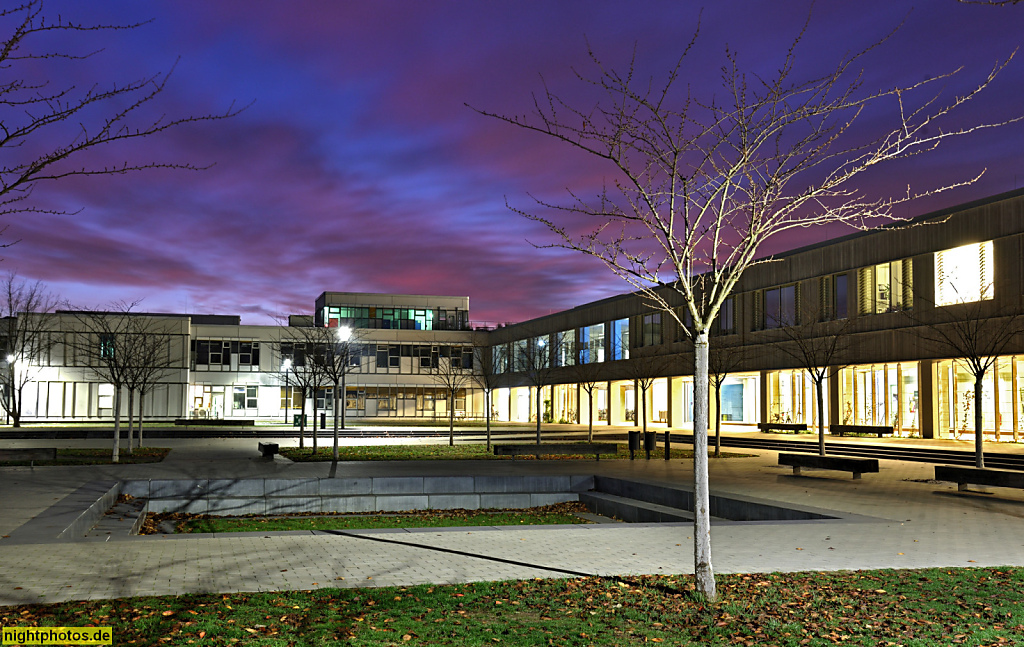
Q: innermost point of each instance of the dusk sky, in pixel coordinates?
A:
(358, 167)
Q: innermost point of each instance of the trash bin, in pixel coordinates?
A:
(634, 443)
(650, 442)
(297, 419)
(668, 445)
(323, 421)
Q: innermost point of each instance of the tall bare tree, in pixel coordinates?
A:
(587, 373)
(819, 344)
(701, 183)
(337, 355)
(976, 333)
(489, 362)
(645, 367)
(536, 358)
(292, 346)
(27, 328)
(54, 131)
(452, 375)
(153, 360)
(105, 341)
(723, 361)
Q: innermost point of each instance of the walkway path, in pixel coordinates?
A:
(912, 523)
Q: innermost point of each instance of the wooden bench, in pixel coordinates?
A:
(781, 426)
(879, 430)
(269, 449)
(216, 422)
(841, 463)
(30, 454)
(596, 449)
(962, 475)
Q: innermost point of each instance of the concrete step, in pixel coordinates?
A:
(632, 510)
(123, 519)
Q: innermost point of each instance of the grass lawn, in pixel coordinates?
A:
(456, 452)
(927, 607)
(555, 514)
(91, 456)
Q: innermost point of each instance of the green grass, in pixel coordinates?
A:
(910, 607)
(457, 452)
(91, 456)
(431, 519)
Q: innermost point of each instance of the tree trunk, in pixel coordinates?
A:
(337, 392)
(487, 403)
(131, 419)
(590, 412)
(115, 457)
(302, 422)
(142, 402)
(15, 405)
(643, 405)
(979, 436)
(818, 388)
(702, 568)
(538, 413)
(314, 421)
(718, 418)
(451, 418)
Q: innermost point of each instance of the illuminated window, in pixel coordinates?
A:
(592, 344)
(964, 274)
(620, 339)
(886, 287)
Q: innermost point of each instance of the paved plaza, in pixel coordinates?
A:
(897, 518)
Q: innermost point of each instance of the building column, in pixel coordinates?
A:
(763, 413)
(928, 399)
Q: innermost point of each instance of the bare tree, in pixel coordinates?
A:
(337, 355)
(722, 362)
(54, 132)
(587, 372)
(644, 367)
(819, 345)
(489, 363)
(293, 349)
(975, 333)
(27, 327)
(108, 346)
(700, 184)
(453, 375)
(153, 361)
(535, 358)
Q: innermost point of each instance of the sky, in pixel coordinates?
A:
(356, 165)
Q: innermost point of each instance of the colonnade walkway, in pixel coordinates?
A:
(898, 518)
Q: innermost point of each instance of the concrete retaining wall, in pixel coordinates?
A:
(228, 497)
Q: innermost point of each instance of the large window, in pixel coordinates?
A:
(592, 344)
(245, 397)
(780, 307)
(651, 334)
(886, 287)
(834, 295)
(727, 317)
(620, 339)
(564, 352)
(964, 274)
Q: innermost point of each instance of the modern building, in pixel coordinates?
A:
(885, 296)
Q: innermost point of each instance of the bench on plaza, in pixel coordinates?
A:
(30, 454)
(508, 449)
(962, 475)
(216, 422)
(857, 466)
(269, 449)
(781, 426)
(879, 430)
